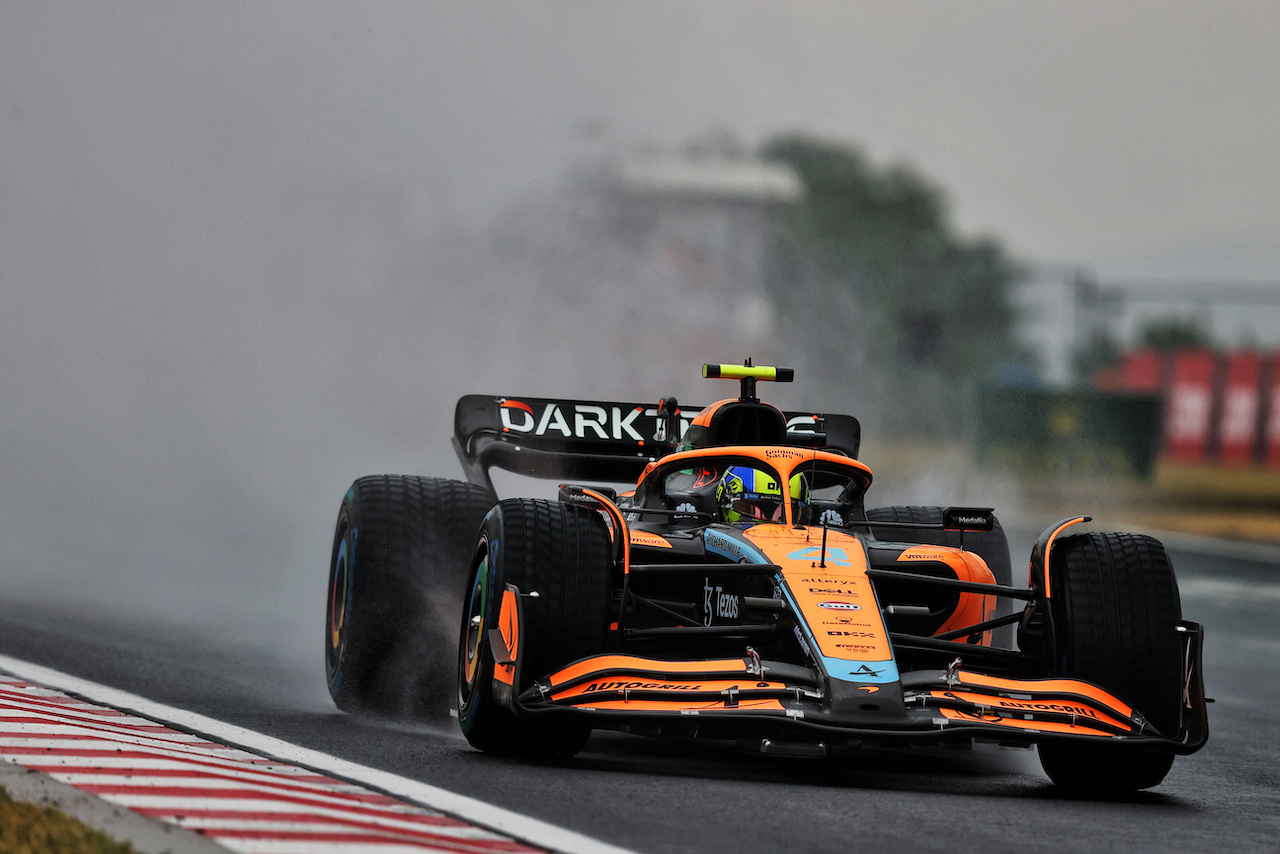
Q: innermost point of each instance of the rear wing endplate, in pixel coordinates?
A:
(600, 441)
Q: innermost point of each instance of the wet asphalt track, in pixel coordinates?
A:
(657, 797)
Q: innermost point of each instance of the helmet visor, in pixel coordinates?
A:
(764, 510)
(759, 509)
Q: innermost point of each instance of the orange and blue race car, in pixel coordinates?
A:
(741, 590)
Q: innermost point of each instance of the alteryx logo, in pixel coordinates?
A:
(836, 557)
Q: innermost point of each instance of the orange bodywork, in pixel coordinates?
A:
(1061, 686)
(618, 664)
(621, 689)
(972, 608)
(1044, 583)
(1004, 706)
(509, 627)
(632, 683)
(830, 588)
(653, 541)
(1032, 725)
(613, 516)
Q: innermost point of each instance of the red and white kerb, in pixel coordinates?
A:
(241, 800)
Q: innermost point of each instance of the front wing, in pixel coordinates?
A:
(785, 704)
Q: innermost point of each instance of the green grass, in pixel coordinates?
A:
(28, 829)
(1217, 486)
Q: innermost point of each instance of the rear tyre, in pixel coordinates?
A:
(992, 546)
(563, 553)
(1115, 613)
(400, 556)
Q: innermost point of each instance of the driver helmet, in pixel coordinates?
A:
(749, 496)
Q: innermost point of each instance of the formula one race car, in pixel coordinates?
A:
(740, 590)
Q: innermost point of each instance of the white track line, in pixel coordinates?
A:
(529, 830)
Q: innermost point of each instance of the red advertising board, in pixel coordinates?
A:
(1189, 406)
(1272, 428)
(1140, 371)
(1241, 398)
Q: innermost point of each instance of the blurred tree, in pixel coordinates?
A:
(1100, 352)
(936, 313)
(1173, 333)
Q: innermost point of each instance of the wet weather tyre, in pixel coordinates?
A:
(1116, 612)
(992, 546)
(401, 550)
(563, 553)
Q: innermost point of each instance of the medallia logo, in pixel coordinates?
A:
(840, 606)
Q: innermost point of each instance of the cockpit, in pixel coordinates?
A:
(745, 486)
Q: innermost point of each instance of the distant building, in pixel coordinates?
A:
(1065, 310)
(707, 220)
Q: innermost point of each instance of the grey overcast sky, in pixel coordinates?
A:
(1139, 137)
(237, 262)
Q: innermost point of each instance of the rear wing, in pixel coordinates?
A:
(601, 441)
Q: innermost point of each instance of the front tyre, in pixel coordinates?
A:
(562, 553)
(1116, 611)
(400, 551)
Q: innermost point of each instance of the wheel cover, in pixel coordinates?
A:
(339, 606)
(472, 631)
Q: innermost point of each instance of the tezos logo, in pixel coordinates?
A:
(717, 603)
(840, 606)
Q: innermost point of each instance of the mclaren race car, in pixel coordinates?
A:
(741, 590)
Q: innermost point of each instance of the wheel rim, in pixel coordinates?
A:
(339, 605)
(472, 631)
